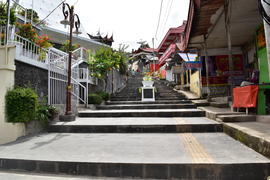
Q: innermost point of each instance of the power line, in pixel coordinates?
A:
(75, 2)
(40, 22)
(160, 11)
(167, 16)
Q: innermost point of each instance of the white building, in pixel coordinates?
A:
(56, 31)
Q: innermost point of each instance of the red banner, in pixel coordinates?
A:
(245, 97)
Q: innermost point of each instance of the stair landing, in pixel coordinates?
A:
(163, 156)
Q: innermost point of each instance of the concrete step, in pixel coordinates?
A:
(143, 113)
(213, 112)
(201, 102)
(17, 175)
(147, 106)
(139, 99)
(156, 102)
(237, 118)
(219, 104)
(136, 125)
(170, 98)
(126, 99)
(139, 96)
(157, 156)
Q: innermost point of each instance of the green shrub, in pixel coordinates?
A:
(45, 113)
(94, 99)
(104, 95)
(21, 105)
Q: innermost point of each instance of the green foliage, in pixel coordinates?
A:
(29, 14)
(27, 31)
(65, 46)
(45, 113)
(104, 95)
(94, 98)
(3, 14)
(104, 60)
(21, 105)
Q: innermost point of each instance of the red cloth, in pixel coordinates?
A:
(245, 97)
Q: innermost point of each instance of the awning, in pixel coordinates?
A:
(188, 56)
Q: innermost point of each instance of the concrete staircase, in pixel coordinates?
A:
(166, 139)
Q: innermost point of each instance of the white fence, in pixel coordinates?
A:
(58, 73)
(56, 62)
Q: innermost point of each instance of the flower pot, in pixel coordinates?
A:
(148, 83)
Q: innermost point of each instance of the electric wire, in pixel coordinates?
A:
(167, 16)
(75, 2)
(160, 11)
(40, 22)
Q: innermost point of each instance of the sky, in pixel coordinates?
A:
(130, 21)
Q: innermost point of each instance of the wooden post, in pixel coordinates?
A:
(207, 70)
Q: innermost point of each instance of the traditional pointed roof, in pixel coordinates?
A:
(101, 39)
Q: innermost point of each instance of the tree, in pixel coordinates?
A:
(106, 59)
(3, 14)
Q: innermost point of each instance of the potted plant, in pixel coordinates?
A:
(147, 81)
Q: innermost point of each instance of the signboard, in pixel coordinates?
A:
(178, 69)
(193, 65)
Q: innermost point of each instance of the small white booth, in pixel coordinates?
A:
(148, 91)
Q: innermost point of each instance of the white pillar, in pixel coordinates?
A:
(8, 131)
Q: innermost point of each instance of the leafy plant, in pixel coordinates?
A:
(65, 46)
(104, 95)
(94, 98)
(29, 14)
(104, 60)
(43, 41)
(147, 78)
(2, 38)
(27, 31)
(3, 14)
(45, 113)
(21, 105)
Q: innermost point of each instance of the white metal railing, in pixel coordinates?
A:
(3, 34)
(84, 76)
(29, 49)
(57, 62)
